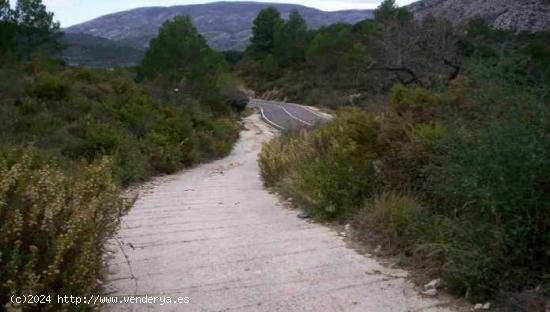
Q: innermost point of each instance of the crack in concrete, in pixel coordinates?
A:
(130, 270)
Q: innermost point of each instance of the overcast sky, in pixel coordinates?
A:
(70, 12)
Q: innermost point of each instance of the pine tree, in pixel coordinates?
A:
(329, 47)
(263, 32)
(5, 11)
(388, 11)
(27, 29)
(181, 56)
(7, 28)
(36, 29)
(290, 39)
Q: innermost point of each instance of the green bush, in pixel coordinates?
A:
(428, 135)
(476, 210)
(235, 98)
(50, 87)
(106, 114)
(500, 182)
(217, 137)
(329, 171)
(418, 102)
(397, 221)
(280, 157)
(269, 68)
(54, 227)
(59, 199)
(325, 98)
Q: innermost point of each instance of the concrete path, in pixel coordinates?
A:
(215, 235)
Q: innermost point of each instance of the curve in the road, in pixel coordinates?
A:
(287, 116)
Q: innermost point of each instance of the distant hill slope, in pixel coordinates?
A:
(87, 50)
(519, 15)
(226, 25)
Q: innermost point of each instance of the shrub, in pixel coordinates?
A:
(106, 114)
(131, 164)
(269, 67)
(325, 98)
(235, 98)
(328, 170)
(457, 92)
(476, 210)
(50, 87)
(166, 155)
(59, 200)
(393, 220)
(498, 183)
(418, 101)
(96, 139)
(12, 84)
(428, 135)
(54, 226)
(216, 138)
(281, 156)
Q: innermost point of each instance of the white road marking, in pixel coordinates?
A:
(294, 117)
(264, 117)
(314, 112)
(259, 103)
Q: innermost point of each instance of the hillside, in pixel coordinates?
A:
(91, 51)
(226, 25)
(520, 15)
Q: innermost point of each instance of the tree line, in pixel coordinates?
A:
(372, 55)
(27, 28)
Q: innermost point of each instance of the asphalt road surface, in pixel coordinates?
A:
(214, 235)
(288, 116)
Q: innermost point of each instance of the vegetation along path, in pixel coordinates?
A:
(215, 235)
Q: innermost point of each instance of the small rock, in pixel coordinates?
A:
(487, 306)
(348, 227)
(378, 250)
(430, 292)
(303, 215)
(434, 284)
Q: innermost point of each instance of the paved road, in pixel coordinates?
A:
(288, 116)
(215, 235)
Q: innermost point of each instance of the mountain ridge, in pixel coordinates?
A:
(87, 50)
(515, 15)
(226, 25)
